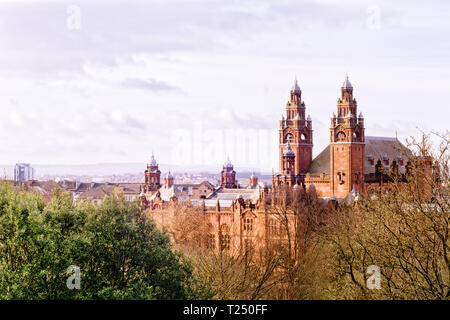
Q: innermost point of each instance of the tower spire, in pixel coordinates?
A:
(347, 145)
(347, 84)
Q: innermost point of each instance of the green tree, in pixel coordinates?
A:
(120, 252)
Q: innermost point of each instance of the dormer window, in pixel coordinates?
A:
(371, 159)
(385, 159)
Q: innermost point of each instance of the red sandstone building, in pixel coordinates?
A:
(352, 163)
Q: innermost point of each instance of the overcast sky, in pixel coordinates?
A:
(111, 81)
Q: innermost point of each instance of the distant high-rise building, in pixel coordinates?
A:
(23, 172)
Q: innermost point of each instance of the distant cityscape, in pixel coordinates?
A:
(113, 173)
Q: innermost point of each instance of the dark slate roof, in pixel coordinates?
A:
(378, 147)
(321, 163)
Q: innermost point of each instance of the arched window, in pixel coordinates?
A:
(355, 136)
(289, 137)
(303, 137)
(340, 136)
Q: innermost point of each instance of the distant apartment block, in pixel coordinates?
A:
(23, 172)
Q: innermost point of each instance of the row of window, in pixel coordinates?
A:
(225, 242)
(273, 229)
(290, 138)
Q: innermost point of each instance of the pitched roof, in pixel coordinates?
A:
(98, 192)
(321, 163)
(232, 194)
(377, 147)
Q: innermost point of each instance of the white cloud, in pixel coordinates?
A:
(138, 72)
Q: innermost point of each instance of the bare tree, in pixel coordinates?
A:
(403, 229)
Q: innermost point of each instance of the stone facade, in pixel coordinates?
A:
(350, 165)
(348, 162)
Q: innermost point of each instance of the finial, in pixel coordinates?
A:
(347, 83)
(295, 87)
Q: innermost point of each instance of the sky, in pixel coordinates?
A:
(85, 82)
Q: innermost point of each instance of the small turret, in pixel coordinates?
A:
(253, 180)
(168, 180)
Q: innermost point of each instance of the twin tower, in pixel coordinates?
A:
(347, 142)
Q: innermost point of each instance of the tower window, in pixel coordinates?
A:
(303, 137)
(289, 138)
(340, 136)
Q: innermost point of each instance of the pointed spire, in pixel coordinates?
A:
(295, 88)
(152, 160)
(228, 164)
(347, 84)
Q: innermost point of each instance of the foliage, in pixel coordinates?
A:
(120, 252)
